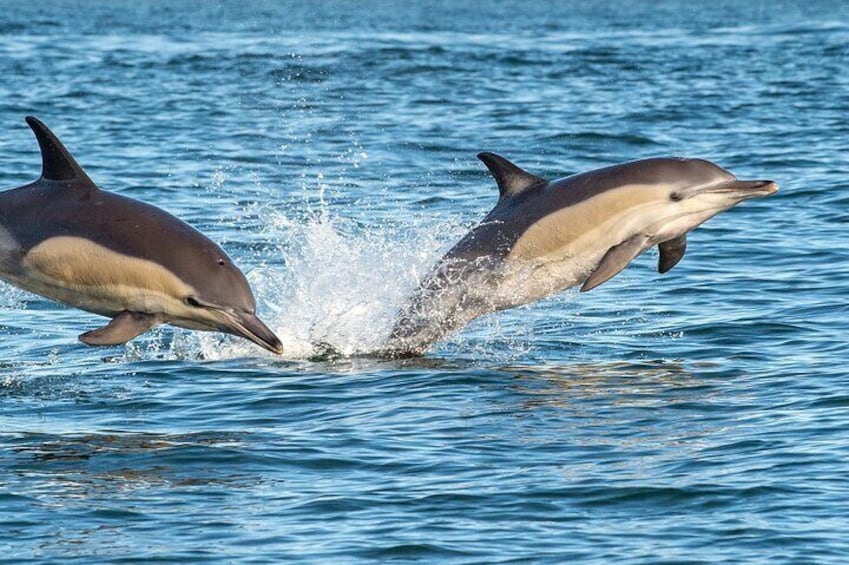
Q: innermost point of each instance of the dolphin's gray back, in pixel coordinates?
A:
(46, 209)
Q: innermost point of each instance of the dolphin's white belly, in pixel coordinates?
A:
(535, 280)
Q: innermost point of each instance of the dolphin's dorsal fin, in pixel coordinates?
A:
(511, 179)
(56, 161)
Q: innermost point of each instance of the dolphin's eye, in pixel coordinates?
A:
(221, 262)
(676, 197)
(192, 301)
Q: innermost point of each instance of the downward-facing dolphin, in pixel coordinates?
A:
(543, 237)
(64, 238)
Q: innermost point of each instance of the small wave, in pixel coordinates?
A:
(784, 29)
(600, 137)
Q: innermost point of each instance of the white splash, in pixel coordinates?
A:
(332, 285)
(12, 297)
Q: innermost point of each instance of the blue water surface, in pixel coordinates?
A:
(700, 416)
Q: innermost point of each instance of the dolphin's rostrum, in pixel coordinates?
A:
(543, 237)
(66, 239)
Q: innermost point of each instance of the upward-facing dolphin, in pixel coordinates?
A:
(543, 237)
(64, 238)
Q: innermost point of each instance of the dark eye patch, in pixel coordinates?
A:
(676, 197)
(192, 301)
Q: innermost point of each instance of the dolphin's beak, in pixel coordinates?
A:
(745, 189)
(247, 325)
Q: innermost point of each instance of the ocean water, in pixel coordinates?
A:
(700, 416)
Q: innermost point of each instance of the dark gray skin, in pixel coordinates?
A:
(65, 203)
(544, 232)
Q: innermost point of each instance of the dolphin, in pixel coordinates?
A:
(544, 236)
(64, 238)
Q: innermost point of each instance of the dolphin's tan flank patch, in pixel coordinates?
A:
(598, 219)
(70, 266)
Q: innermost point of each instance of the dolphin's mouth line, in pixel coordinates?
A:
(243, 324)
(237, 326)
(745, 188)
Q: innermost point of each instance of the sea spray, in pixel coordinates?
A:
(332, 285)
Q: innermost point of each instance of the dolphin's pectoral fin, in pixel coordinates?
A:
(616, 259)
(671, 252)
(121, 329)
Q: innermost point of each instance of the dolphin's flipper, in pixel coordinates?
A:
(510, 178)
(671, 252)
(616, 259)
(121, 329)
